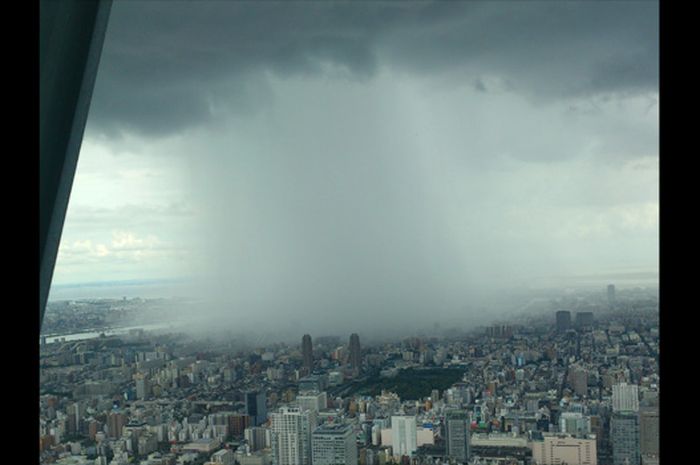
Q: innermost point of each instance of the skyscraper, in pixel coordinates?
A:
(649, 431)
(334, 444)
(256, 407)
(307, 352)
(457, 435)
(624, 433)
(355, 351)
(563, 320)
(291, 435)
(403, 435)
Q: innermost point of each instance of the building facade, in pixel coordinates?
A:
(256, 407)
(333, 444)
(291, 429)
(403, 435)
(625, 397)
(624, 433)
(563, 320)
(557, 449)
(355, 352)
(457, 435)
(307, 352)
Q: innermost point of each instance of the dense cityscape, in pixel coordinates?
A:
(577, 384)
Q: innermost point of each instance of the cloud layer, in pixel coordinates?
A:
(352, 163)
(170, 66)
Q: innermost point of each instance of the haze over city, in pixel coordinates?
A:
(351, 233)
(342, 165)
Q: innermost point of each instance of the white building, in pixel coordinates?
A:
(403, 435)
(625, 397)
(574, 423)
(291, 435)
(334, 444)
(224, 456)
(315, 401)
(258, 438)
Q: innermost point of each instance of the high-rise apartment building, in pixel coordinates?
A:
(237, 423)
(457, 435)
(403, 435)
(307, 352)
(115, 423)
(291, 429)
(334, 444)
(258, 438)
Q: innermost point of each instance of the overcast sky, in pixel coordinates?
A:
(368, 156)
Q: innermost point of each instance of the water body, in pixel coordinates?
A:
(154, 288)
(111, 332)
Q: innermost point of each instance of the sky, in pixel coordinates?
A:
(371, 160)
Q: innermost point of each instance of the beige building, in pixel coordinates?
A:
(556, 449)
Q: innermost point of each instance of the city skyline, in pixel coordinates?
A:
(513, 392)
(355, 233)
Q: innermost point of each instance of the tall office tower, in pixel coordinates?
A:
(256, 407)
(307, 352)
(611, 294)
(333, 444)
(624, 434)
(291, 429)
(258, 438)
(313, 400)
(457, 435)
(563, 321)
(404, 437)
(625, 397)
(355, 352)
(649, 431)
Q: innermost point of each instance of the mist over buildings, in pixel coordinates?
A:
(338, 168)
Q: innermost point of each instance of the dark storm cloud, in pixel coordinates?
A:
(167, 66)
